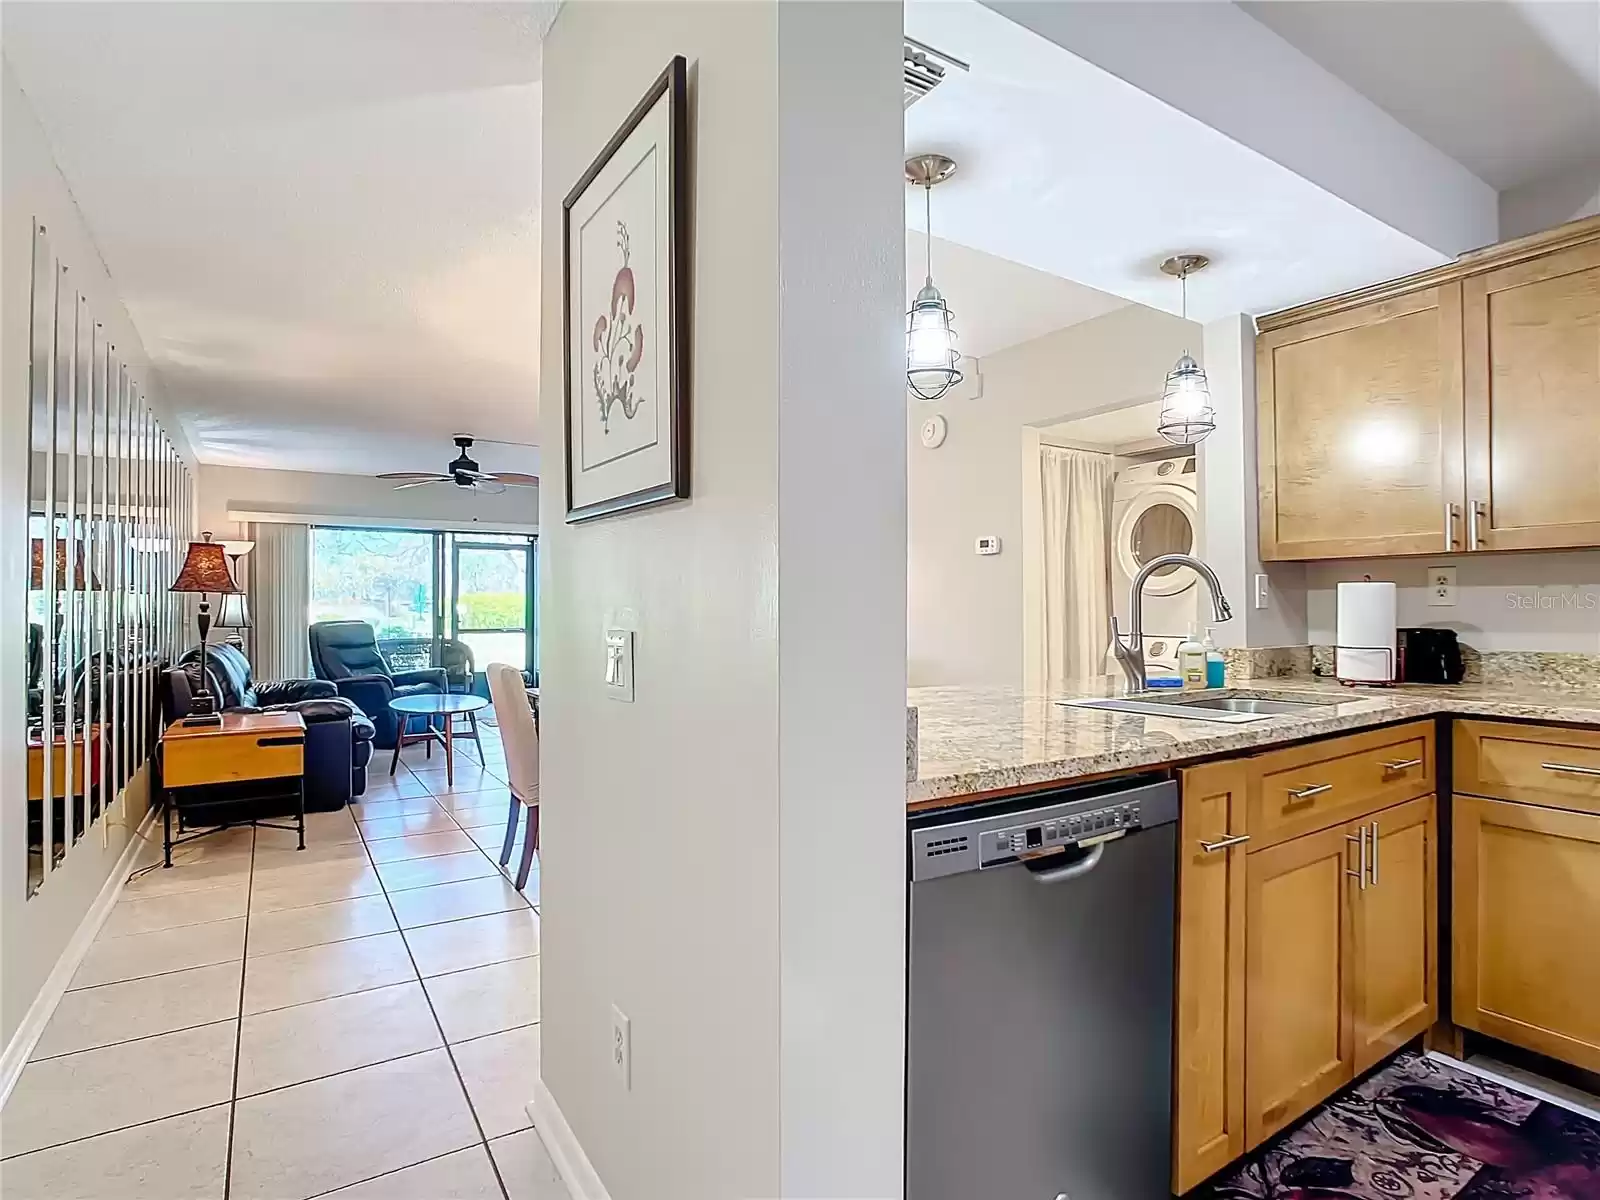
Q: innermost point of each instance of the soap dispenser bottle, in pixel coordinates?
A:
(1216, 668)
(1192, 662)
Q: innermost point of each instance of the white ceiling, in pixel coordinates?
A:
(1074, 172)
(323, 218)
(1510, 89)
(1134, 424)
(998, 303)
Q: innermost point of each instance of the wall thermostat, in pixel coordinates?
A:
(934, 430)
(988, 545)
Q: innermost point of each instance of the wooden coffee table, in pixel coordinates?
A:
(437, 705)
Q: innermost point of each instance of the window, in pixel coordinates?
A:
(415, 588)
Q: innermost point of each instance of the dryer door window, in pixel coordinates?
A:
(1161, 529)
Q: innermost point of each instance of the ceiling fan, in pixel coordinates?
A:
(463, 472)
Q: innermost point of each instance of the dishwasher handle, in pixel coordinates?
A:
(1073, 870)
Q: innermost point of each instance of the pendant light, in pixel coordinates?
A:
(932, 360)
(1186, 413)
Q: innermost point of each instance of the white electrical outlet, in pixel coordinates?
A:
(1441, 586)
(622, 1048)
(1262, 591)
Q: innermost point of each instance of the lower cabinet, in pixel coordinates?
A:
(1340, 959)
(1526, 911)
(1301, 962)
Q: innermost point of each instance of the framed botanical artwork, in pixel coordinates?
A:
(625, 269)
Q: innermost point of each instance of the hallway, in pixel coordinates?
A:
(358, 1019)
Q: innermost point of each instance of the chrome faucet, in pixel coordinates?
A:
(1130, 653)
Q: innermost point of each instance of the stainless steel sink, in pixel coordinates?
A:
(1249, 704)
(1229, 710)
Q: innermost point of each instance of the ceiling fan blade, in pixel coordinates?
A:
(488, 485)
(517, 478)
(475, 476)
(419, 476)
(400, 487)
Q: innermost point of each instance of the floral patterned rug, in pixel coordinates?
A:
(1421, 1130)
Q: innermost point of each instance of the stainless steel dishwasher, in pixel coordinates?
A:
(1040, 996)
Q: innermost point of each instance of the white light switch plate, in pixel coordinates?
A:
(619, 665)
(622, 1047)
(1441, 587)
(1261, 591)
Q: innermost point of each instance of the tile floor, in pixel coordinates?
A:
(357, 1020)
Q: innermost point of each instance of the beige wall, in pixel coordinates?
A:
(966, 611)
(1503, 601)
(723, 858)
(34, 932)
(356, 498)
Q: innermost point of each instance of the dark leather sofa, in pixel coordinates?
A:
(338, 735)
(346, 654)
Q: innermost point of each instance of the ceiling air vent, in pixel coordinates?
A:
(925, 69)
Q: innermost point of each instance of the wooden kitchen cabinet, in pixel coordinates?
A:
(1532, 370)
(1395, 957)
(1297, 964)
(1525, 910)
(1359, 421)
(1208, 1067)
(1453, 410)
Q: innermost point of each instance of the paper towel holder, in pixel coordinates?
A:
(1389, 656)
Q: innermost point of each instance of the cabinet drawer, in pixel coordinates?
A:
(1531, 763)
(230, 758)
(1306, 788)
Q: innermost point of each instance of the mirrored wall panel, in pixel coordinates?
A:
(109, 507)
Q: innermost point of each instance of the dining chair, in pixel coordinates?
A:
(519, 733)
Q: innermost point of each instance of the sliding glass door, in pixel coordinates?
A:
(491, 580)
(416, 588)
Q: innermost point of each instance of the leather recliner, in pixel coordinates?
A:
(338, 735)
(346, 654)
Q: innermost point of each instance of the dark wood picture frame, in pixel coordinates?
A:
(671, 84)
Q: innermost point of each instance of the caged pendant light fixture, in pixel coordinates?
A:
(932, 360)
(1186, 413)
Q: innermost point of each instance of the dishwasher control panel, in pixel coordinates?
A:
(981, 840)
(1005, 845)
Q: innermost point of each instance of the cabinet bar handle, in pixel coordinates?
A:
(1360, 876)
(1475, 513)
(1403, 765)
(1305, 793)
(1374, 854)
(1451, 512)
(1571, 769)
(1238, 839)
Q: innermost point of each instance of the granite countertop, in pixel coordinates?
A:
(972, 740)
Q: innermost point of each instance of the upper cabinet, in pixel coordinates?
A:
(1453, 411)
(1532, 337)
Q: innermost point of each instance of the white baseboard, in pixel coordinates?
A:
(577, 1172)
(55, 985)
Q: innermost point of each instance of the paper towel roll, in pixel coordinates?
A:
(1366, 619)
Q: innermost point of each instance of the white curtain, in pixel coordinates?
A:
(1075, 490)
(280, 600)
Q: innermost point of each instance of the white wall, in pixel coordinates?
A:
(34, 932)
(694, 873)
(356, 498)
(1230, 526)
(966, 612)
(1503, 601)
(1546, 203)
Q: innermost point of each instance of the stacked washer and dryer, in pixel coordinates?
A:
(1155, 511)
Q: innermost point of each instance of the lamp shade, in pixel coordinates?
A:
(205, 569)
(36, 567)
(237, 550)
(235, 613)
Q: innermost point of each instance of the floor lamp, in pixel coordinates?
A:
(204, 570)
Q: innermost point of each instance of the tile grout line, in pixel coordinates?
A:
(238, 1029)
(461, 1081)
